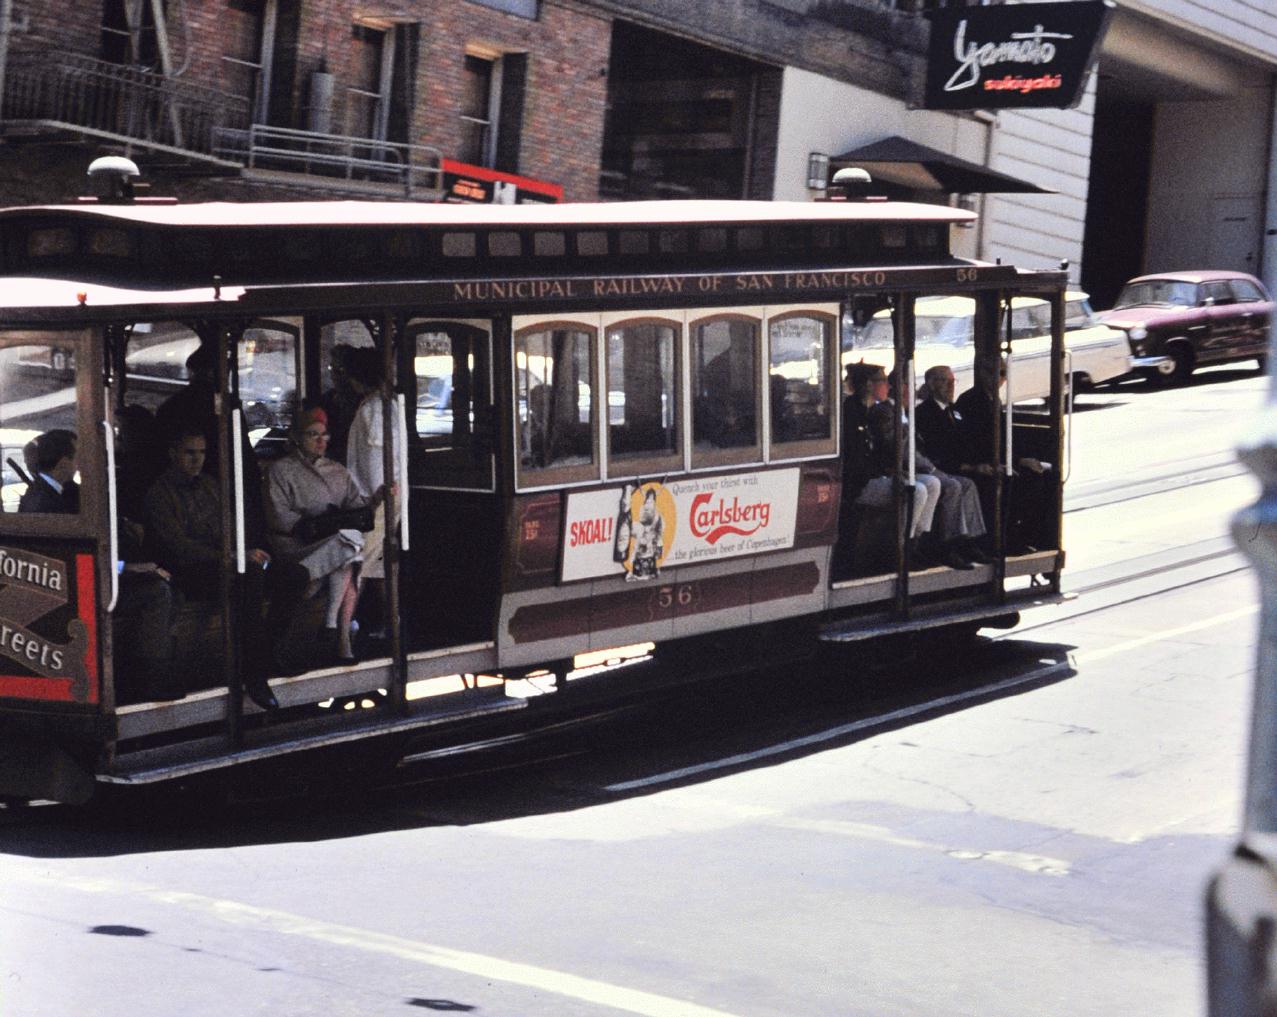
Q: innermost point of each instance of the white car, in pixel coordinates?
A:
(944, 334)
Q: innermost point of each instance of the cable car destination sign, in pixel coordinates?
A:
(1013, 56)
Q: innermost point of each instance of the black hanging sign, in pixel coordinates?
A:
(1013, 56)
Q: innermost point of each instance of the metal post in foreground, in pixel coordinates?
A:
(1241, 919)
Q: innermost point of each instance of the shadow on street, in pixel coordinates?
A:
(692, 735)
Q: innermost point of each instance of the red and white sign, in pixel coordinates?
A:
(636, 531)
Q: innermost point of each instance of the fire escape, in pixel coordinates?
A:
(187, 126)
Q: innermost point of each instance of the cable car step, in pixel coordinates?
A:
(152, 765)
(1007, 615)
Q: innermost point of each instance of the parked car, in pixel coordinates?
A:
(944, 333)
(1178, 321)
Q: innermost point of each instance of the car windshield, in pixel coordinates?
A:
(1078, 314)
(955, 328)
(1163, 292)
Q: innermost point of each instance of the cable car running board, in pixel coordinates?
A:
(150, 766)
(854, 630)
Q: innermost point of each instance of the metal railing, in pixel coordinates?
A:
(129, 103)
(417, 169)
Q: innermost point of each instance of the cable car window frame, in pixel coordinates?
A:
(716, 458)
(650, 463)
(539, 477)
(806, 448)
(451, 468)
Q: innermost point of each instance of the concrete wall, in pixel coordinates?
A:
(1210, 166)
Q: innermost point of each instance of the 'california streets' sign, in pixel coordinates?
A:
(636, 530)
(1013, 56)
(47, 645)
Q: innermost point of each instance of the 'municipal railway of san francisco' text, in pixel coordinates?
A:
(665, 285)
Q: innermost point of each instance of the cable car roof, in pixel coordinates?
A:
(687, 212)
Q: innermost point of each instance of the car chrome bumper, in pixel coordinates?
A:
(1160, 364)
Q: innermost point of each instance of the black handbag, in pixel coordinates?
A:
(332, 519)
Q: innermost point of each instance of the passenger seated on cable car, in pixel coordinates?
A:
(184, 534)
(952, 537)
(52, 468)
(1029, 493)
(864, 484)
(196, 406)
(317, 517)
(142, 621)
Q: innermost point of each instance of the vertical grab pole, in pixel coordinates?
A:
(237, 461)
(1008, 465)
(393, 455)
(402, 451)
(1068, 415)
(224, 346)
(114, 521)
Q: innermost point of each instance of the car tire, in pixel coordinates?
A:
(1185, 361)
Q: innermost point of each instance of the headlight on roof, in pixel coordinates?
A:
(1138, 332)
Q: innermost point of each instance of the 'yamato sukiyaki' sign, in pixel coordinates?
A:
(635, 530)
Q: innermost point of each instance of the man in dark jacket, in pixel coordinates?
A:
(184, 531)
(1028, 495)
(51, 488)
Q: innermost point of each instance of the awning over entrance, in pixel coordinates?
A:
(905, 163)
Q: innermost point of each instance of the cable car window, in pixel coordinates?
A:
(49, 242)
(635, 242)
(38, 429)
(505, 244)
(672, 241)
(750, 238)
(267, 360)
(156, 362)
(798, 378)
(725, 387)
(458, 245)
(894, 236)
(591, 243)
(555, 393)
(449, 391)
(112, 243)
(548, 245)
(642, 365)
(711, 241)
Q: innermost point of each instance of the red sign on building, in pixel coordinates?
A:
(463, 183)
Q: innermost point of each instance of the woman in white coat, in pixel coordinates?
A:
(301, 486)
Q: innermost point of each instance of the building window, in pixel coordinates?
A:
(477, 106)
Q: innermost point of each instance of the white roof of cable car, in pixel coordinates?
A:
(616, 213)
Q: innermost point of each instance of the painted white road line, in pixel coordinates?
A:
(589, 990)
(1037, 864)
(1164, 635)
(836, 732)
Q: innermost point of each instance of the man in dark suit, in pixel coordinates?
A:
(1029, 494)
(51, 488)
